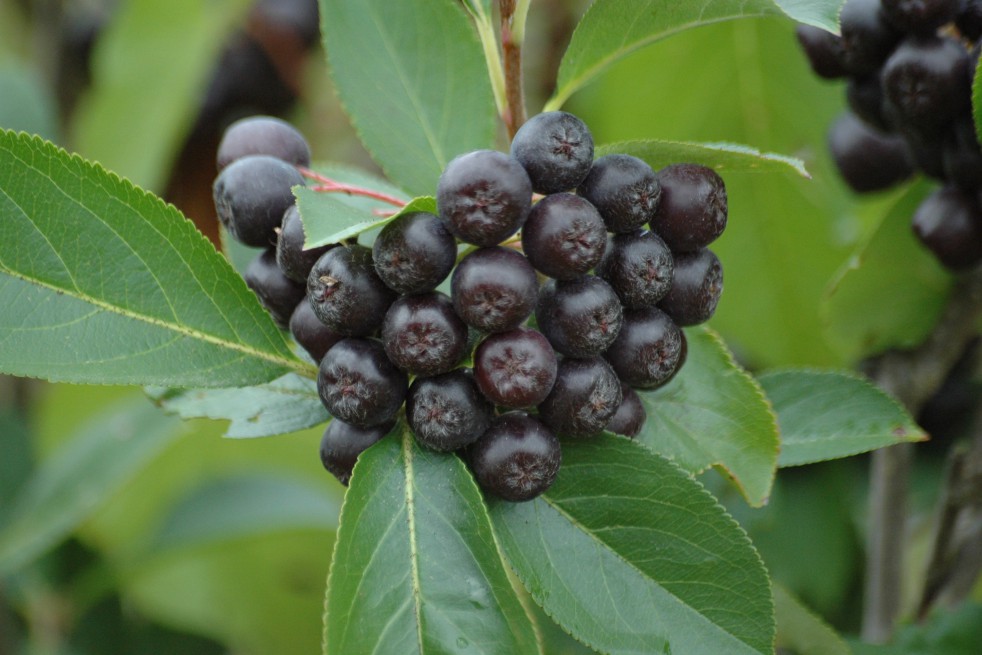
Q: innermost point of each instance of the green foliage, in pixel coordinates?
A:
(801, 631)
(724, 157)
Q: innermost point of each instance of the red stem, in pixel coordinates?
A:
(327, 185)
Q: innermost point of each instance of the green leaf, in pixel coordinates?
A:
(97, 462)
(26, 105)
(412, 77)
(416, 568)
(631, 555)
(977, 101)
(950, 631)
(800, 630)
(862, 311)
(724, 157)
(820, 13)
(714, 414)
(327, 219)
(102, 282)
(827, 415)
(18, 456)
(285, 405)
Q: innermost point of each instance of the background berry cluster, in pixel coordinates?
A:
(570, 279)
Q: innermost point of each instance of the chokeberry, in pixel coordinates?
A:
(649, 350)
(868, 38)
(824, 51)
(277, 293)
(969, 19)
(919, 16)
(926, 82)
(414, 252)
(696, 288)
(252, 194)
(293, 260)
(308, 331)
(342, 443)
(864, 95)
(584, 398)
(346, 293)
(564, 236)
(624, 189)
(630, 416)
(962, 157)
(949, 223)
(484, 196)
(447, 412)
(422, 335)
(263, 135)
(580, 317)
(515, 369)
(693, 207)
(867, 159)
(517, 458)
(358, 384)
(494, 289)
(638, 266)
(556, 149)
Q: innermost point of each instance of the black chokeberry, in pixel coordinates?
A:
(864, 95)
(358, 384)
(263, 135)
(630, 416)
(447, 412)
(252, 194)
(649, 350)
(564, 236)
(293, 260)
(969, 19)
(346, 293)
(824, 51)
(584, 398)
(962, 157)
(308, 331)
(556, 149)
(516, 368)
(414, 252)
(517, 458)
(484, 196)
(423, 335)
(949, 223)
(494, 289)
(926, 82)
(868, 37)
(277, 293)
(867, 159)
(638, 266)
(696, 288)
(580, 317)
(693, 208)
(624, 189)
(342, 443)
(919, 16)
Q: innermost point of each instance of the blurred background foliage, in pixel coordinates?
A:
(192, 543)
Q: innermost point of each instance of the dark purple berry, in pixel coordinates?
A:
(969, 19)
(277, 293)
(564, 236)
(342, 443)
(926, 82)
(962, 157)
(868, 160)
(293, 260)
(346, 293)
(315, 337)
(864, 96)
(693, 207)
(263, 135)
(359, 385)
(517, 458)
(447, 412)
(484, 196)
(639, 268)
(422, 334)
(624, 189)
(824, 51)
(919, 16)
(414, 253)
(515, 369)
(949, 223)
(494, 289)
(556, 149)
(868, 38)
(580, 317)
(696, 288)
(630, 416)
(251, 195)
(584, 398)
(649, 350)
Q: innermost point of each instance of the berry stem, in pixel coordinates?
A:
(492, 56)
(513, 17)
(327, 185)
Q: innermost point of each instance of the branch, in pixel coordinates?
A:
(513, 14)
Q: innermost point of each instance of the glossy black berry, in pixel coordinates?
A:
(516, 368)
(423, 335)
(926, 82)
(864, 95)
(494, 289)
(969, 19)
(414, 253)
(693, 208)
(484, 196)
(624, 189)
(919, 16)
(308, 331)
(868, 37)
(447, 412)
(949, 223)
(584, 398)
(638, 266)
(649, 350)
(277, 293)
(696, 288)
(346, 293)
(359, 385)
(867, 159)
(293, 260)
(630, 416)
(824, 51)
(517, 458)
(342, 443)
(564, 236)
(556, 149)
(962, 157)
(580, 317)
(251, 195)
(263, 135)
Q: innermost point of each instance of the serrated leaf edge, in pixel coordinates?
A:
(797, 165)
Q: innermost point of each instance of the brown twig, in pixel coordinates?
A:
(511, 49)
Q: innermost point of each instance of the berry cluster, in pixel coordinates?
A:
(569, 281)
(909, 66)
